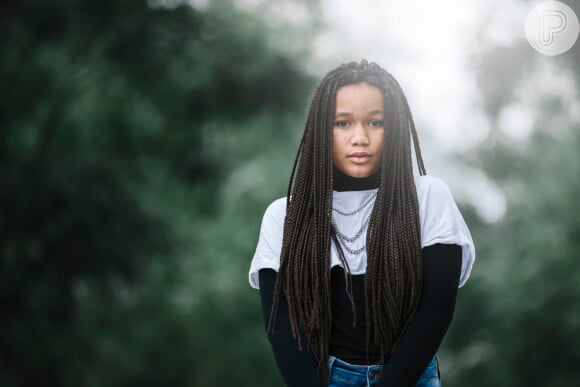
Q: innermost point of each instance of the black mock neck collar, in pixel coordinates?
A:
(344, 182)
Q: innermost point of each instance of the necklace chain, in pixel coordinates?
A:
(355, 251)
(343, 239)
(370, 199)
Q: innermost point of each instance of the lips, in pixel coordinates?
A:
(359, 157)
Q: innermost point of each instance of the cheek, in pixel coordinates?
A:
(336, 148)
(379, 141)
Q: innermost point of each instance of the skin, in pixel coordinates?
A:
(357, 134)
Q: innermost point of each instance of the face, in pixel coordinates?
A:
(357, 134)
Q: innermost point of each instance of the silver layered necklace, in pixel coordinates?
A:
(347, 241)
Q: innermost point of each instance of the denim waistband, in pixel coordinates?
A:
(372, 371)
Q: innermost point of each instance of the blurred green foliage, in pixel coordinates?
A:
(139, 147)
(518, 319)
(126, 127)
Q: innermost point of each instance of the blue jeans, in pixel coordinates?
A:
(343, 374)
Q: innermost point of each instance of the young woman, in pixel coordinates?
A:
(358, 267)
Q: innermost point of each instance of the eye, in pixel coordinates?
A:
(341, 124)
(376, 124)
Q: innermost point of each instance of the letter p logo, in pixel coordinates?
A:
(551, 23)
(551, 28)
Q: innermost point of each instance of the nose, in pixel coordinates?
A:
(359, 135)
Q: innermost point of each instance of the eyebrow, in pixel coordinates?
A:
(372, 113)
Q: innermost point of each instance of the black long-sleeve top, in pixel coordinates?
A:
(417, 346)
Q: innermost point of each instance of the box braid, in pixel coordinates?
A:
(394, 267)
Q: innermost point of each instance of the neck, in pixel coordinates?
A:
(344, 182)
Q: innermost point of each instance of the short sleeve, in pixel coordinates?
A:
(442, 222)
(267, 255)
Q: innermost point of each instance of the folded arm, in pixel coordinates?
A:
(298, 368)
(423, 335)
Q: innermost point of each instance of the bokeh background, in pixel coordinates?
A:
(141, 141)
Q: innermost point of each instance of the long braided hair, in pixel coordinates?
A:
(394, 268)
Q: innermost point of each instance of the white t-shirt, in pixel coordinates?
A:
(439, 216)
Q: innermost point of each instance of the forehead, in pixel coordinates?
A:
(359, 96)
